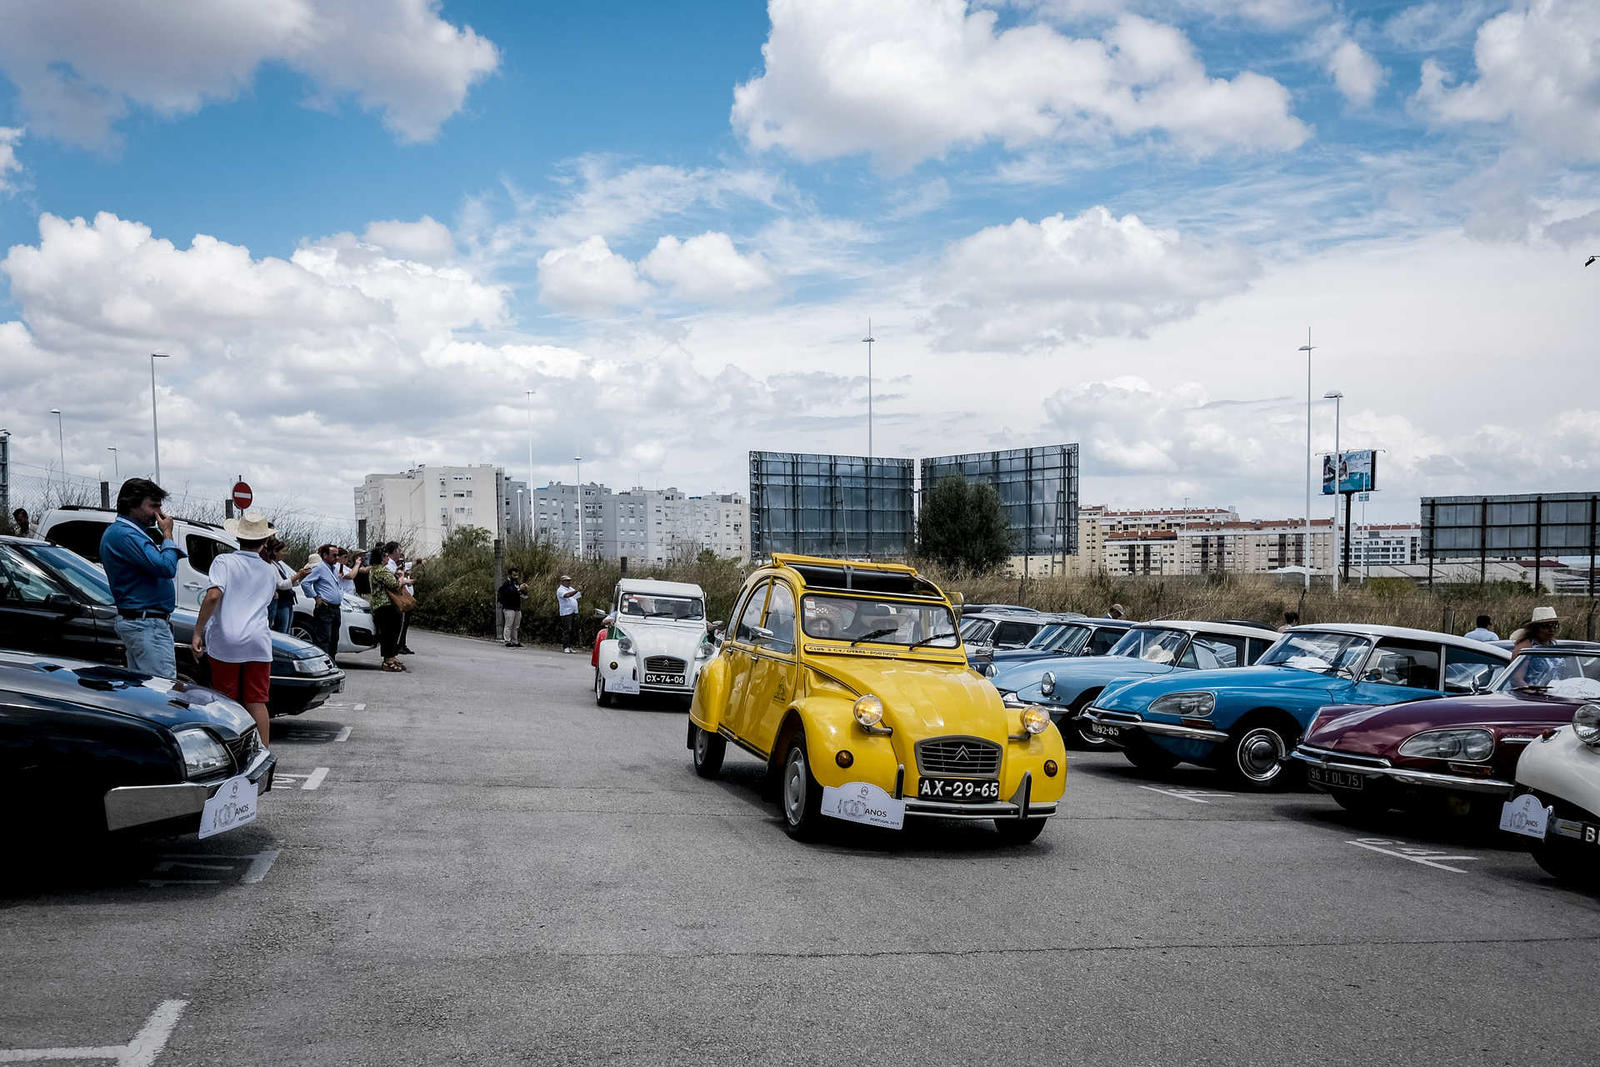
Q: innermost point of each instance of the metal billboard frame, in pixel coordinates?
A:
(1478, 527)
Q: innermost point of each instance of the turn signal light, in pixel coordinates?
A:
(844, 758)
(1050, 768)
(613, 664)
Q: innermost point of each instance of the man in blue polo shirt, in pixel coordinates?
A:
(140, 568)
(322, 585)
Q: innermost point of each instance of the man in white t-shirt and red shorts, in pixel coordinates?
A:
(232, 630)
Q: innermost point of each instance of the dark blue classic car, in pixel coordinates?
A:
(96, 748)
(1247, 722)
(1072, 637)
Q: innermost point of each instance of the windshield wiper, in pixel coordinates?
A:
(930, 640)
(1530, 688)
(870, 634)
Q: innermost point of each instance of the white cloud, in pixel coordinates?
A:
(80, 65)
(1538, 70)
(706, 268)
(1270, 14)
(1355, 72)
(588, 278)
(1059, 281)
(1438, 23)
(9, 164)
(426, 241)
(905, 80)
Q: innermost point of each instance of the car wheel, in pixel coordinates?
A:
(302, 629)
(1019, 831)
(1566, 864)
(1147, 757)
(1255, 757)
(1079, 729)
(798, 793)
(601, 697)
(709, 748)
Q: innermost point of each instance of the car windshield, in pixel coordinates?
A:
(1150, 643)
(1315, 650)
(656, 606)
(1575, 675)
(1046, 636)
(1070, 641)
(881, 622)
(84, 577)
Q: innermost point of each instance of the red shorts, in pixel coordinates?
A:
(245, 682)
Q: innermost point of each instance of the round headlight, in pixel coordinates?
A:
(988, 670)
(868, 710)
(1034, 720)
(625, 645)
(1047, 684)
(1586, 724)
(1472, 744)
(1197, 704)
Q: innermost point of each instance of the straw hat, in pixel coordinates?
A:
(1542, 615)
(251, 526)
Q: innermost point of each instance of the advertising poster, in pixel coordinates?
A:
(1354, 473)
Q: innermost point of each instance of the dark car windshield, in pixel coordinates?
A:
(883, 622)
(654, 606)
(84, 577)
(1316, 650)
(1151, 643)
(1575, 675)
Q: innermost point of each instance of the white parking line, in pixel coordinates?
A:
(1428, 857)
(260, 864)
(1184, 794)
(140, 1052)
(358, 707)
(343, 735)
(315, 778)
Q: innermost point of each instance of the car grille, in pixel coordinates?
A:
(958, 755)
(243, 749)
(664, 665)
(1343, 757)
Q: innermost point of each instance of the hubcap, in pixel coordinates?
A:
(1259, 753)
(599, 686)
(794, 788)
(701, 742)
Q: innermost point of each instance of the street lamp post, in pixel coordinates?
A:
(1305, 537)
(529, 393)
(579, 461)
(155, 431)
(1335, 396)
(61, 443)
(116, 464)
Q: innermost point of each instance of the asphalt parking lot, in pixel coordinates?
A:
(471, 863)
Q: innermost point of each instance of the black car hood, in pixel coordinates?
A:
(122, 692)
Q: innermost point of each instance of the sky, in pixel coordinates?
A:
(365, 230)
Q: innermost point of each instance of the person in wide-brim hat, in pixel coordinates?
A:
(1543, 627)
(252, 527)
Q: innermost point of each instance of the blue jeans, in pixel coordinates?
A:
(147, 644)
(280, 616)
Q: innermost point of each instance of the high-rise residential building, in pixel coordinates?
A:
(1254, 547)
(1096, 524)
(422, 506)
(643, 525)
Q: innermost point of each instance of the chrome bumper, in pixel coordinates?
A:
(1337, 761)
(1130, 720)
(1018, 807)
(128, 806)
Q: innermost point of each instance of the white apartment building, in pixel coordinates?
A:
(1257, 547)
(1384, 546)
(1096, 523)
(643, 525)
(422, 506)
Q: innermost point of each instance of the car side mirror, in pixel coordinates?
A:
(599, 613)
(62, 603)
(760, 633)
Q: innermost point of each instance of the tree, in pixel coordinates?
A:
(963, 527)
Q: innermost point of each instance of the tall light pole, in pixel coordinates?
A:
(530, 463)
(155, 431)
(116, 464)
(867, 489)
(1305, 537)
(61, 443)
(1335, 396)
(579, 461)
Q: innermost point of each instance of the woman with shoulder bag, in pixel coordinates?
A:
(387, 598)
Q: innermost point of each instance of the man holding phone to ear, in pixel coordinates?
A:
(140, 565)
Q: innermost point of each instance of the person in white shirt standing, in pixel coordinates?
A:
(567, 596)
(231, 631)
(1481, 630)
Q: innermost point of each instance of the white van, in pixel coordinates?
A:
(80, 529)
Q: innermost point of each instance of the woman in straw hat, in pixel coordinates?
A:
(1542, 629)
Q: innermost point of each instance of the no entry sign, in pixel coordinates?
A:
(242, 496)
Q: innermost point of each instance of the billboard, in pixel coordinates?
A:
(1356, 473)
(1510, 526)
(1038, 488)
(824, 505)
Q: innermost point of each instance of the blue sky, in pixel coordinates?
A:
(365, 229)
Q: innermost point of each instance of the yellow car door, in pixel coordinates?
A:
(740, 649)
(774, 671)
